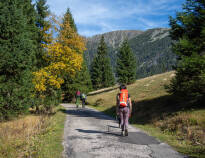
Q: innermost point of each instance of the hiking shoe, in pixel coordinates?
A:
(126, 132)
(122, 133)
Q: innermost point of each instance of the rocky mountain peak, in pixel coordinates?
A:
(115, 38)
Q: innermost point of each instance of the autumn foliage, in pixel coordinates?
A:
(37, 51)
(64, 55)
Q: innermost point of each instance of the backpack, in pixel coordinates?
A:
(83, 96)
(78, 93)
(123, 97)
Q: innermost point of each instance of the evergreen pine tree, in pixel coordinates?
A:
(108, 77)
(17, 58)
(188, 30)
(43, 25)
(96, 73)
(126, 64)
(101, 71)
(30, 13)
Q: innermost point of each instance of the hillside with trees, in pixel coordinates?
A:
(152, 49)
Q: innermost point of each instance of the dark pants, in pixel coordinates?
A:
(83, 103)
(124, 117)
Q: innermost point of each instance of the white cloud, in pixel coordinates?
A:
(148, 24)
(108, 15)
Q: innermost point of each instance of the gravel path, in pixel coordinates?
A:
(91, 134)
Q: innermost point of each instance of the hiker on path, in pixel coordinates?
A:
(77, 97)
(124, 109)
(83, 98)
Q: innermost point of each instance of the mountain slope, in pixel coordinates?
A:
(152, 49)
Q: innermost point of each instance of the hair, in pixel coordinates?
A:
(123, 87)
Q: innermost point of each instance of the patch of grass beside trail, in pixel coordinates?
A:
(49, 143)
(36, 136)
(161, 115)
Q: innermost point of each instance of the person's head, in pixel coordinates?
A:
(123, 87)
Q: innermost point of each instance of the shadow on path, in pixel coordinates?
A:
(99, 132)
(138, 138)
(86, 113)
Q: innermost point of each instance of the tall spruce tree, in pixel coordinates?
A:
(126, 64)
(44, 35)
(188, 30)
(101, 71)
(17, 58)
(96, 73)
(81, 80)
(30, 13)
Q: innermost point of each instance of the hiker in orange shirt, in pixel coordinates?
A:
(124, 109)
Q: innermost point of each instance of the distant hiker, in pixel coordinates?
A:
(124, 108)
(77, 97)
(83, 99)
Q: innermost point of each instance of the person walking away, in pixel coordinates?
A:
(77, 96)
(124, 109)
(83, 99)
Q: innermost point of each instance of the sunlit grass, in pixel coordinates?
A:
(32, 136)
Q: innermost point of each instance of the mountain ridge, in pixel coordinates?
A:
(152, 49)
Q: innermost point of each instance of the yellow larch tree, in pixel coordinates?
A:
(64, 55)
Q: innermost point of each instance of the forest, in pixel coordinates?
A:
(43, 60)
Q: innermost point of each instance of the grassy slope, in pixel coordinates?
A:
(155, 111)
(33, 136)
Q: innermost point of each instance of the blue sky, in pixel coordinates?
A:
(99, 16)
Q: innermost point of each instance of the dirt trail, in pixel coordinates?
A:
(91, 134)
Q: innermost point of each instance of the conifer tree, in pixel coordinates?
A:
(101, 71)
(188, 30)
(126, 64)
(17, 58)
(96, 73)
(44, 35)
